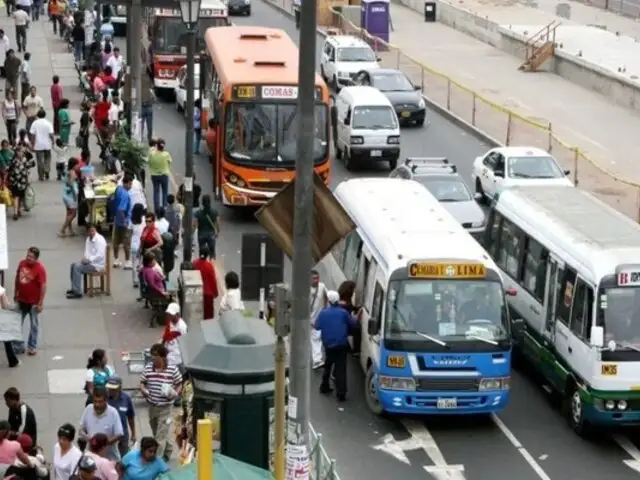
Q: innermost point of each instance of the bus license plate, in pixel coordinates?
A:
(405, 114)
(447, 403)
(376, 153)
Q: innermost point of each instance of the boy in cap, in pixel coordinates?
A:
(174, 328)
(122, 402)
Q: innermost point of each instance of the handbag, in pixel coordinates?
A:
(29, 198)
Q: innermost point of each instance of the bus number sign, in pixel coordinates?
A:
(447, 270)
(629, 278)
(246, 91)
(609, 370)
(395, 361)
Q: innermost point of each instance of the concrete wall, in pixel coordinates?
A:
(618, 89)
(461, 19)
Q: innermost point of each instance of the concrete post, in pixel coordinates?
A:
(192, 303)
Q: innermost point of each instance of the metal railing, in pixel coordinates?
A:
(322, 467)
(535, 41)
(505, 126)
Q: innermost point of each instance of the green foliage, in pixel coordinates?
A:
(131, 153)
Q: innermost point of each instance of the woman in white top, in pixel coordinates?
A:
(66, 455)
(231, 299)
(10, 114)
(136, 226)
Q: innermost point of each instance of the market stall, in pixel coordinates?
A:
(96, 193)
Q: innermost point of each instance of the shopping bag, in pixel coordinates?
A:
(5, 197)
(29, 198)
(10, 326)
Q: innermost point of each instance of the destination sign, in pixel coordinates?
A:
(204, 12)
(269, 92)
(447, 270)
(629, 276)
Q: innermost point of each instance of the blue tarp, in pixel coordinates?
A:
(225, 468)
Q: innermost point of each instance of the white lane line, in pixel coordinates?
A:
(631, 450)
(523, 451)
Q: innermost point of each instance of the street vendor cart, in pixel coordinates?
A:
(96, 193)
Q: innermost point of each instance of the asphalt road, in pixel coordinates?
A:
(529, 441)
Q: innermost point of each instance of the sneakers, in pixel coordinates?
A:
(317, 365)
(128, 265)
(117, 264)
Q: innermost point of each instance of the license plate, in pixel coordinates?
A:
(447, 403)
(405, 114)
(376, 153)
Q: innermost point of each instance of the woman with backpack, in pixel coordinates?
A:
(98, 372)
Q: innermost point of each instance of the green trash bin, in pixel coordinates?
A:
(230, 362)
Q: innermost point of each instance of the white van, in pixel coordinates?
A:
(365, 127)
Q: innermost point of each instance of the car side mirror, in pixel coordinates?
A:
(567, 172)
(373, 328)
(477, 197)
(596, 337)
(498, 173)
(347, 120)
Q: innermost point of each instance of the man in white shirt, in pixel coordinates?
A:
(25, 78)
(89, 30)
(317, 302)
(21, 19)
(176, 327)
(5, 46)
(41, 133)
(116, 62)
(95, 254)
(31, 105)
(114, 111)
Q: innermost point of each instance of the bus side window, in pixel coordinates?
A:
(361, 280)
(510, 249)
(369, 289)
(492, 234)
(339, 251)
(582, 309)
(566, 296)
(352, 256)
(534, 272)
(376, 307)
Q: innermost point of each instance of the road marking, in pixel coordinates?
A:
(523, 451)
(631, 449)
(388, 444)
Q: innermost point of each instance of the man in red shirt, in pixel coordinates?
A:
(30, 289)
(56, 98)
(209, 281)
(210, 138)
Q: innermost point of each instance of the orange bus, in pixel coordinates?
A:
(249, 85)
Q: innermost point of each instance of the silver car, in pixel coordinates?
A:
(443, 181)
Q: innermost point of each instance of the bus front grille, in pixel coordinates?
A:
(271, 186)
(447, 384)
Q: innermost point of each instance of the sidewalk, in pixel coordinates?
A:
(52, 381)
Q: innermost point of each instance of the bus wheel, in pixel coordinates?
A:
(371, 392)
(574, 410)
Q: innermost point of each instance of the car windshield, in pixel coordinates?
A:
(356, 54)
(445, 190)
(392, 82)
(374, 118)
(171, 34)
(267, 133)
(620, 314)
(446, 310)
(533, 167)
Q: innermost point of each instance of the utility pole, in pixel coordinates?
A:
(128, 81)
(189, 143)
(300, 365)
(135, 63)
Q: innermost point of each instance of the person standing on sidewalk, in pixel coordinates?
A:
(57, 94)
(41, 135)
(12, 66)
(100, 417)
(121, 223)
(122, 402)
(159, 165)
(317, 302)
(25, 77)
(29, 291)
(21, 19)
(22, 418)
(5, 45)
(161, 384)
(78, 37)
(31, 105)
(10, 115)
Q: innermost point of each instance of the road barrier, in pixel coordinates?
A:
(503, 125)
(322, 467)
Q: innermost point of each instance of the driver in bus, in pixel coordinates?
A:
(479, 307)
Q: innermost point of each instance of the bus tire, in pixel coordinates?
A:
(371, 392)
(574, 410)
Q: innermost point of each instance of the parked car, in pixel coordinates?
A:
(239, 7)
(510, 166)
(405, 97)
(181, 87)
(343, 56)
(442, 179)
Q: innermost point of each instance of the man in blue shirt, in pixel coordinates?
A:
(334, 323)
(122, 402)
(106, 30)
(122, 216)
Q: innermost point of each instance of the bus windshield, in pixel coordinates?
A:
(448, 311)
(171, 36)
(620, 315)
(266, 134)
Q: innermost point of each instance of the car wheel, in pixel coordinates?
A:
(248, 13)
(349, 163)
(334, 84)
(393, 164)
(480, 190)
(420, 123)
(179, 107)
(371, 392)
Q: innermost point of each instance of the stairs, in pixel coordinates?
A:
(540, 47)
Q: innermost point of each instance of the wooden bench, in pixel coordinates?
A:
(99, 283)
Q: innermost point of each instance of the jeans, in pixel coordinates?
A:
(208, 241)
(57, 21)
(146, 117)
(12, 130)
(197, 140)
(43, 162)
(160, 190)
(8, 348)
(36, 10)
(336, 361)
(34, 324)
(78, 51)
(76, 273)
(21, 37)
(159, 415)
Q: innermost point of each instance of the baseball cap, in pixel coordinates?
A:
(114, 382)
(87, 463)
(333, 297)
(173, 309)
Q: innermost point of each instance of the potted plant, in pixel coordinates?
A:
(130, 152)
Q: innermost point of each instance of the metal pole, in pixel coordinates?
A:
(261, 278)
(300, 368)
(189, 143)
(129, 84)
(135, 63)
(204, 439)
(281, 325)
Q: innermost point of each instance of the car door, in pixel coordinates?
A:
(486, 172)
(328, 61)
(499, 172)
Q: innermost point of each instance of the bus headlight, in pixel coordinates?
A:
(609, 404)
(500, 383)
(396, 383)
(622, 405)
(236, 180)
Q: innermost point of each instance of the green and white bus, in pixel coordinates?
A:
(575, 263)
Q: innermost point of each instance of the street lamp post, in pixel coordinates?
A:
(190, 10)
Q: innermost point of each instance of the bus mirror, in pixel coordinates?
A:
(597, 336)
(372, 327)
(511, 292)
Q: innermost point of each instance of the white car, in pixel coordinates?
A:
(343, 56)
(181, 87)
(512, 166)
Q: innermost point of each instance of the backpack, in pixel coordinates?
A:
(100, 378)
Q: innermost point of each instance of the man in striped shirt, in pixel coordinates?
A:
(161, 384)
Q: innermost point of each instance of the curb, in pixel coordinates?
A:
(437, 108)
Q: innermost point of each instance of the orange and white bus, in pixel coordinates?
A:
(165, 39)
(249, 84)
